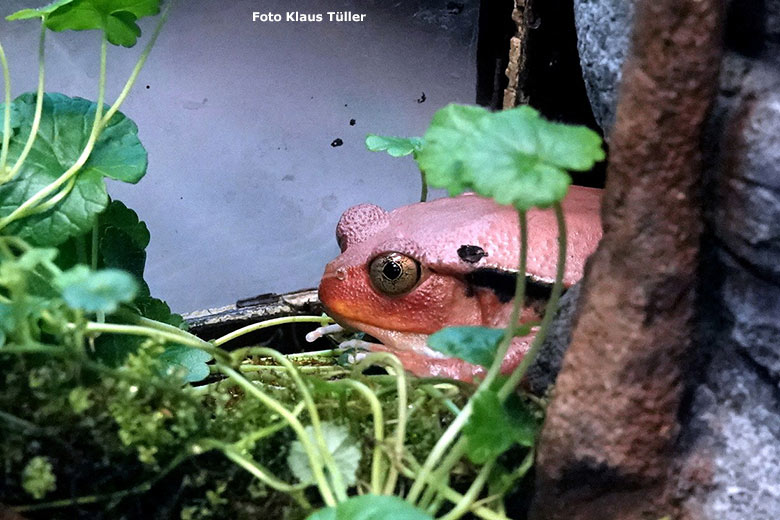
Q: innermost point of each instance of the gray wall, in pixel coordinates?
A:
(244, 190)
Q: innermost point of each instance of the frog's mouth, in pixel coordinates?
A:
(412, 350)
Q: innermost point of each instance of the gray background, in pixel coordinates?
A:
(243, 189)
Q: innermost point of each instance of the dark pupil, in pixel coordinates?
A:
(392, 270)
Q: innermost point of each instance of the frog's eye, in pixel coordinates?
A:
(394, 273)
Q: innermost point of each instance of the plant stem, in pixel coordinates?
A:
(549, 310)
(335, 474)
(452, 495)
(257, 470)
(6, 113)
(424, 189)
(180, 337)
(400, 431)
(138, 65)
(36, 199)
(517, 304)
(295, 424)
(249, 440)
(38, 111)
(464, 503)
(265, 324)
(454, 428)
(379, 430)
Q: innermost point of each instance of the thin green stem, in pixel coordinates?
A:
(6, 113)
(549, 310)
(464, 504)
(138, 65)
(36, 199)
(92, 499)
(180, 337)
(517, 305)
(38, 111)
(54, 199)
(313, 455)
(452, 495)
(335, 474)
(400, 430)
(257, 470)
(265, 324)
(379, 430)
(455, 427)
(424, 189)
(249, 440)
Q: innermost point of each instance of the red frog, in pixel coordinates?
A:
(404, 274)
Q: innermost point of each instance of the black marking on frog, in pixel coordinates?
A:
(471, 254)
(502, 283)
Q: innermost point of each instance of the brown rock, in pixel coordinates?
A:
(606, 448)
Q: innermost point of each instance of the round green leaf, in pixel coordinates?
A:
(477, 345)
(341, 445)
(117, 17)
(513, 156)
(371, 507)
(186, 361)
(394, 146)
(64, 130)
(96, 291)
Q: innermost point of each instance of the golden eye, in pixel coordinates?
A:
(393, 273)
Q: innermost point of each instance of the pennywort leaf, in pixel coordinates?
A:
(394, 146)
(493, 427)
(477, 345)
(64, 130)
(371, 507)
(187, 362)
(345, 451)
(117, 18)
(514, 156)
(96, 291)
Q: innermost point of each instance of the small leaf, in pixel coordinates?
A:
(394, 146)
(513, 156)
(492, 428)
(38, 477)
(96, 291)
(345, 451)
(477, 345)
(188, 362)
(371, 507)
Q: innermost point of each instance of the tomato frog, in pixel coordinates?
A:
(404, 274)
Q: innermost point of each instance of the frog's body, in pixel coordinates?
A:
(407, 273)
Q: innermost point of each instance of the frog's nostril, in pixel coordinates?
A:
(341, 274)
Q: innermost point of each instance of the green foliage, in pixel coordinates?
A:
(344, 449)
(371, 507)
(394, 146)
(96, 291)
(38, 477)
(188, 363)
(117, 18)
(63, 133)
(513, 156)
(494, 427)
(477, 345)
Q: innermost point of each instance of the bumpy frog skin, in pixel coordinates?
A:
(467, 250)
